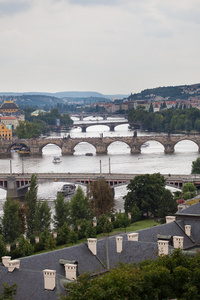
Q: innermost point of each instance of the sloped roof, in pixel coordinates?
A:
(29, 277)
(193, 210)
(9, 105)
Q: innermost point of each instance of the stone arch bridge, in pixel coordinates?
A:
(101, 144)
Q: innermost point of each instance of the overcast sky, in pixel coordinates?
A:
(107, 46)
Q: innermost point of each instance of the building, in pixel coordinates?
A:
(9, 107)
(43, 276)
(10, 120)
(37, 112)
(5, 132)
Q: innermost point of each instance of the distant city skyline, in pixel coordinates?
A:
(106, 46)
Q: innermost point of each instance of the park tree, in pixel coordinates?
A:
(167, 205)
(8, 292)
(62, 209)
(27, 130)
(63, 234)
(47, 242)
(189, 190)
(10, 220)
(196, 166)
(101, 197)
(135, 214)
(23, 209)
(145, 191)
(31, 202)
(25, 248)
(42, 217)
(104, 225)
(2, 247)
(80, 207)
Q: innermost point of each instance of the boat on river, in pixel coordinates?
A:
(68, 189)
(56, 160)
(24, 151)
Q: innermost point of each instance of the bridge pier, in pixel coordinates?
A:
(169, 148)
(101, 149)
(135, 149)
(67, 150)
(12, 187)
(83, 129)
(35, 150)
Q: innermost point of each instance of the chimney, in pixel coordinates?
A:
(92, 245)
(71, 271)
(163, 247)
(119, 240)
(12, 264)
(37, 239)
(5, 260)
(188, 230)
(170, 219)
(49, 279)
(178, 241)
(133, 236)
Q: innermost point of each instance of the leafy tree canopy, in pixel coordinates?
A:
(101, 197)
(146, 192)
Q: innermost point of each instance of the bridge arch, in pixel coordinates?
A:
(86, 147)
(121, 146)
(50, 143)
(152, 143)
(17, 146)
(57, 148)
(91, 126)
(194, 144)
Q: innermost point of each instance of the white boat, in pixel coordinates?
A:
(68, 189)
(145, 145)
(56, 159)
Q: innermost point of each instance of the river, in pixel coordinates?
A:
(152, 159)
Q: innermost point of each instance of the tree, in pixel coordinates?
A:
(167, 205)
(104, 225)
(2, 247)
(8, 291)
(27, 130)
(23, 209)
(196, 166)
(31, 201)
(135, 214)
(10, 220)
(25, 248)
(61, 211)
(63, 234)
(145, 191)
(101, 197)
(42, 217)
(189, 190)
(46, 240)
(80, 206)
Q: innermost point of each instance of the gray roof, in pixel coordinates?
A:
(29, 277)
(192, 210)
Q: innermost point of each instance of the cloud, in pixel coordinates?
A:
(10, 7)
(96, 2)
